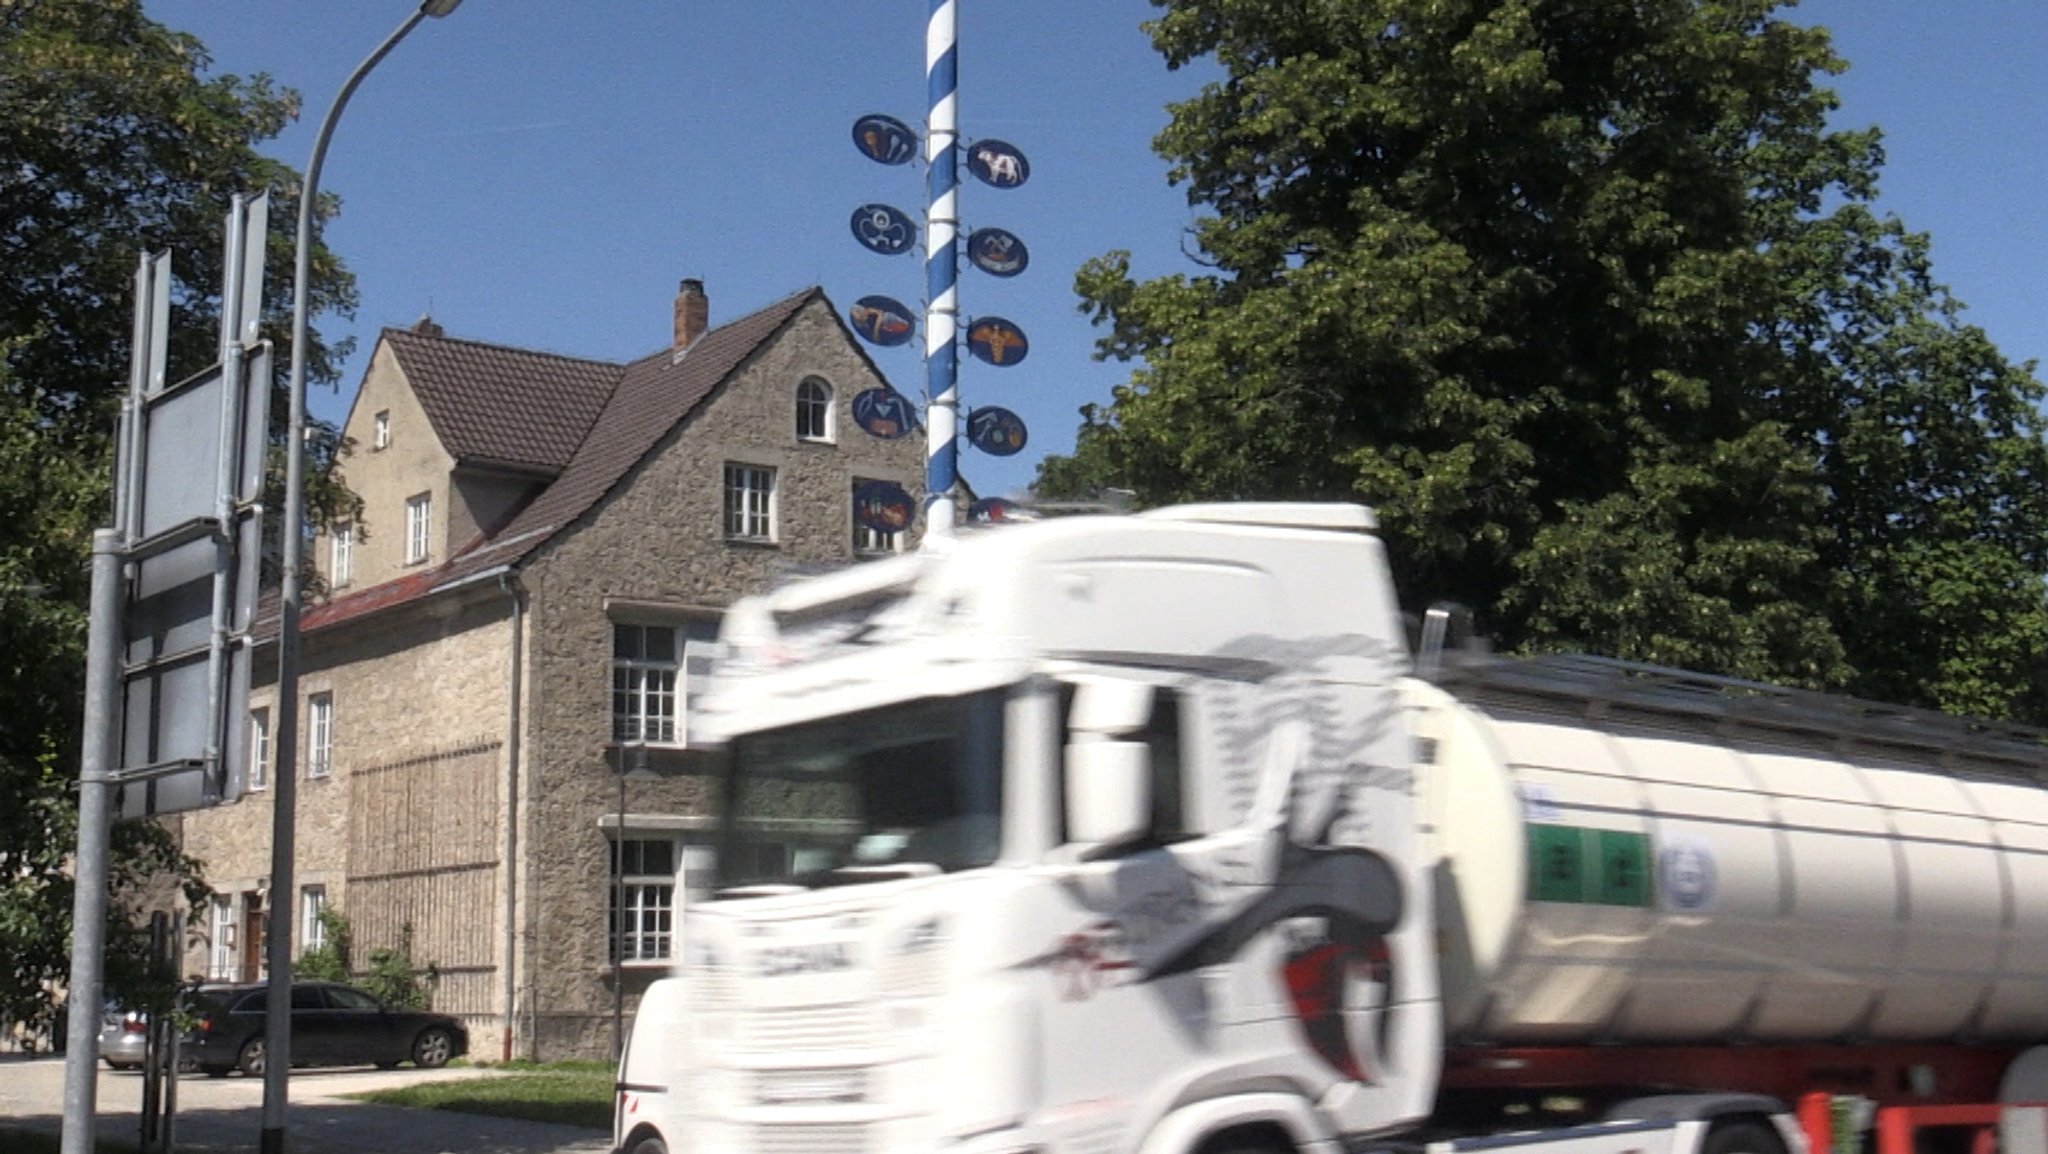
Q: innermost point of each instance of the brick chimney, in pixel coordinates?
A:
(693, 313)
(426, 326)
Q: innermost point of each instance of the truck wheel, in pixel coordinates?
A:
(1742, 1136)
(1248, 1140)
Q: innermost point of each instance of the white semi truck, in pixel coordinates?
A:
(1145, 834)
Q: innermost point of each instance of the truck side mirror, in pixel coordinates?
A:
(1109, 791)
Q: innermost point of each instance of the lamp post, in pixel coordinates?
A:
(632, 764)
(278, 954)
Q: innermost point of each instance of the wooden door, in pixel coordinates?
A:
(253, 938)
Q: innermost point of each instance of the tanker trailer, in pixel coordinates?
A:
(1646, 878)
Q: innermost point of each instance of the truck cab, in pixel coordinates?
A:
(1092, 837)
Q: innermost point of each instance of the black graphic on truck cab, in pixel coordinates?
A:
(1303, 752)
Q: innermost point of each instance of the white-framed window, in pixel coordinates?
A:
(868, 541)
(341, 568)
(646, 665)
(643, 899)
(320, 735)
(312, 900)
(419, 523)
(259, 748)
(654, 670)
(813, 410)
(380, 438)
(220, 962)
(749, 502)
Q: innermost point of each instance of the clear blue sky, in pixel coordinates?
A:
(541, 174)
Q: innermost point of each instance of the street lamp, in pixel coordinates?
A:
(277, 1028)
(632, 764)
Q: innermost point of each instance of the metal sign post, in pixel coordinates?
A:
(193, 533)
(173, 595)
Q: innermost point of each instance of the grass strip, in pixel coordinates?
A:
(568, 1093)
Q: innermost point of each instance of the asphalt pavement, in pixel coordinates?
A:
(225, 1115)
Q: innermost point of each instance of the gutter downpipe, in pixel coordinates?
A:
(509, 582)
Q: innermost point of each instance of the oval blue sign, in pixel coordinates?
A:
(883, 413)
(883, 229)
(883, 506)
(883, 321)
(990, 510)
(998, 163)
(997, 432)
(997, 252)
(884, 139)
(997, 341)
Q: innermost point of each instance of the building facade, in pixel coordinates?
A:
(494, 765)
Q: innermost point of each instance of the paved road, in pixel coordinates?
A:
(225, 1115)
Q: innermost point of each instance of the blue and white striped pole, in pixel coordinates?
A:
(941, 269)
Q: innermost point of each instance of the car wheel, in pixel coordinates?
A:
(650, 1145)
(432, 1049)
(251, 1060)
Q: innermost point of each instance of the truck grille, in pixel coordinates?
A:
(810, 1087)
(811, 1139)
(717, 988)
(809, 1028)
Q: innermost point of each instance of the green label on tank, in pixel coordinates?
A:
(1588, 866)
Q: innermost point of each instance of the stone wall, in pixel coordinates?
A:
(413, 463)
(416, 788)
(412, 827)
(660, 542)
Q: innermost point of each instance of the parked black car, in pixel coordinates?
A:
(332, 1025)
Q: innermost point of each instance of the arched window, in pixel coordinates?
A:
(813, 410)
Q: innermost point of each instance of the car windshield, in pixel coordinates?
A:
(908, 789)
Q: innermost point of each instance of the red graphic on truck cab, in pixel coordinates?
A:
(1087, 960)
(1318, 978)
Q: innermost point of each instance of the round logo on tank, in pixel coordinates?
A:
(1686, 876)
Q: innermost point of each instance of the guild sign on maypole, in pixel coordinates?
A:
(885, 322)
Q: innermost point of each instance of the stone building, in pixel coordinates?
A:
(546, 545)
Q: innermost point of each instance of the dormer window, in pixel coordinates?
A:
(419, 520)
(380, 436)
(341, 566)
(813, 410)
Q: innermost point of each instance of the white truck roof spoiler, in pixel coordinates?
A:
(1334, 515)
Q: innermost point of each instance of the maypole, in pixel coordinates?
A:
(941, 267)
(882, 506)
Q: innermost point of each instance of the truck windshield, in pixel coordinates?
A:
(913, 788)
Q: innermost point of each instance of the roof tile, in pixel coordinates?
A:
(493, 405)
(651, 396)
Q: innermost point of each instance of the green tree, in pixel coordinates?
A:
(113, 142)
(395, 980)
(1588, 301)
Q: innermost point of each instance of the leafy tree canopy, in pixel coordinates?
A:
(1589, 302)
(113, 142)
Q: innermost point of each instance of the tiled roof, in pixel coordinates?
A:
(492, 405)
(645, 400)
(639, 405)
(655, 394)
